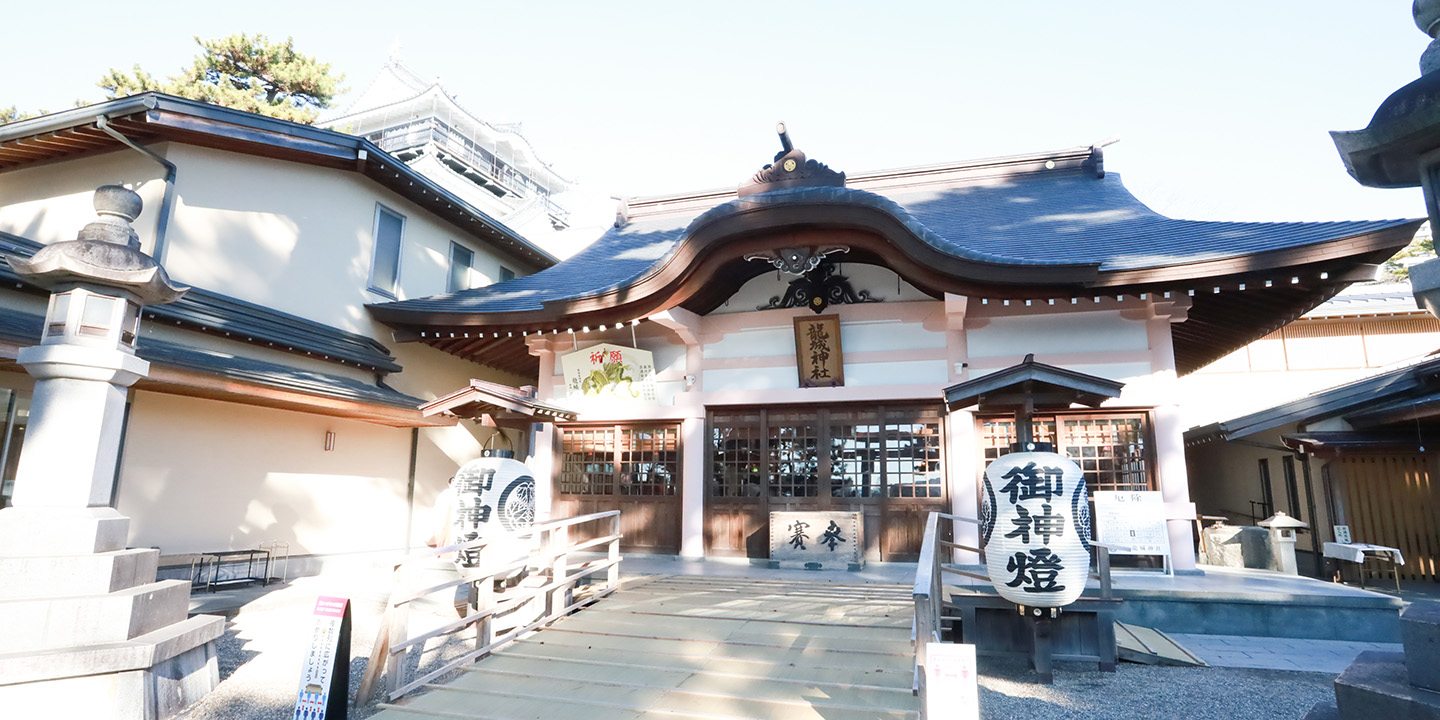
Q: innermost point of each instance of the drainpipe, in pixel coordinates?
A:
(167, 204)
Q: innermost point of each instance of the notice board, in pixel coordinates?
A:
(1132, 523)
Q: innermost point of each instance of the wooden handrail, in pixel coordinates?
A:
(549, 557)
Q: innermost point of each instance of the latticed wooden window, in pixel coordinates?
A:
(1112, 449)
(857, 451)
(842, 451)
(912, 455)
(998, 434)
(794, 454)
(620, 460)
(735, 454)
(649, 460)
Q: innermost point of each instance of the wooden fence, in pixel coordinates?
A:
(550, 561)
(1391, 500)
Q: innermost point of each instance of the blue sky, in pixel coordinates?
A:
(1222, 107)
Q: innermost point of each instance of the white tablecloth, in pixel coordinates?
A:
(1355, 552)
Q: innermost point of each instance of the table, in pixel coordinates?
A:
(1360, 553)
(233, 558)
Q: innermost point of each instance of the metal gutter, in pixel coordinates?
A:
(167, 203)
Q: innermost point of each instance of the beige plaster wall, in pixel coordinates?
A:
(1302, 358)
(48, 203)
(300, 238)
(202, 475)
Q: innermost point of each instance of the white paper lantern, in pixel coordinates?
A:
(494, 498)
(1035, 528)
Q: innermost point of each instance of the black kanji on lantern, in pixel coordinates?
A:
(1031, 482)
(1037, 571)
(1043, 526)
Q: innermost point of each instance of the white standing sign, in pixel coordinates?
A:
(1132, 522)
(325, 678)
(950, 687)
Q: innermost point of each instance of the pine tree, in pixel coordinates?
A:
(244, 72)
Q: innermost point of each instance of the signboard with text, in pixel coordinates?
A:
(818, 356)
(951, 691)
(1132, 522)
(816, 540)
(325, 677)
(608, 374)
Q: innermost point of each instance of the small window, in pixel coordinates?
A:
(59, 315)
(385, 266)
(97, 315)
(506, 274)
(461, 260)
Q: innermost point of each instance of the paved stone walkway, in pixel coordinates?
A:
(1324, 656)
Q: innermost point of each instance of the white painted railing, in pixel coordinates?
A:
(550, 561)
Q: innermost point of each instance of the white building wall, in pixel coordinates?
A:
(300, 238)
(49, 203)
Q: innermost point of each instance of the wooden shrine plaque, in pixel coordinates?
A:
(818, 357)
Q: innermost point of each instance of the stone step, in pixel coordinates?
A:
(143, 652)
(1377, 687)
(53, 623)
(517, 698)
(506, 670)
(782, 665)
(71, 575)
(1420, 631)
(902, 661)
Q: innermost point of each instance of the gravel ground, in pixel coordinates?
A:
(265, 641)
(1145, 692)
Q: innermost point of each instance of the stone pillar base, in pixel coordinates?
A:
(47, 531)
(152, 693)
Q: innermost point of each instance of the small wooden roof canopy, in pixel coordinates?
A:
(497, 405)
(1030, 386)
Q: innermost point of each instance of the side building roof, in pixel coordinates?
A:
(156, 117)
(1387, 392)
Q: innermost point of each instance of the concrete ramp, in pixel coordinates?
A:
(1151, 647)
(691, 647)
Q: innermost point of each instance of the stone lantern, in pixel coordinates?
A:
(1282, 529)
(1401, 145)
(85, 618)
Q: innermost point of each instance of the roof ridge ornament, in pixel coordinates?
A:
(791, 169)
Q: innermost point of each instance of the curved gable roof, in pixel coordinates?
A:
(1004, 228)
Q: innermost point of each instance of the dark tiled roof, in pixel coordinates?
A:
(1037, 221)
(25, 328)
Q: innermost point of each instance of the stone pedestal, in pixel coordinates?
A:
(1387, 686)
(87, 630)
(90, 629)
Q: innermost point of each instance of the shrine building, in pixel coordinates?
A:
(785, 345)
